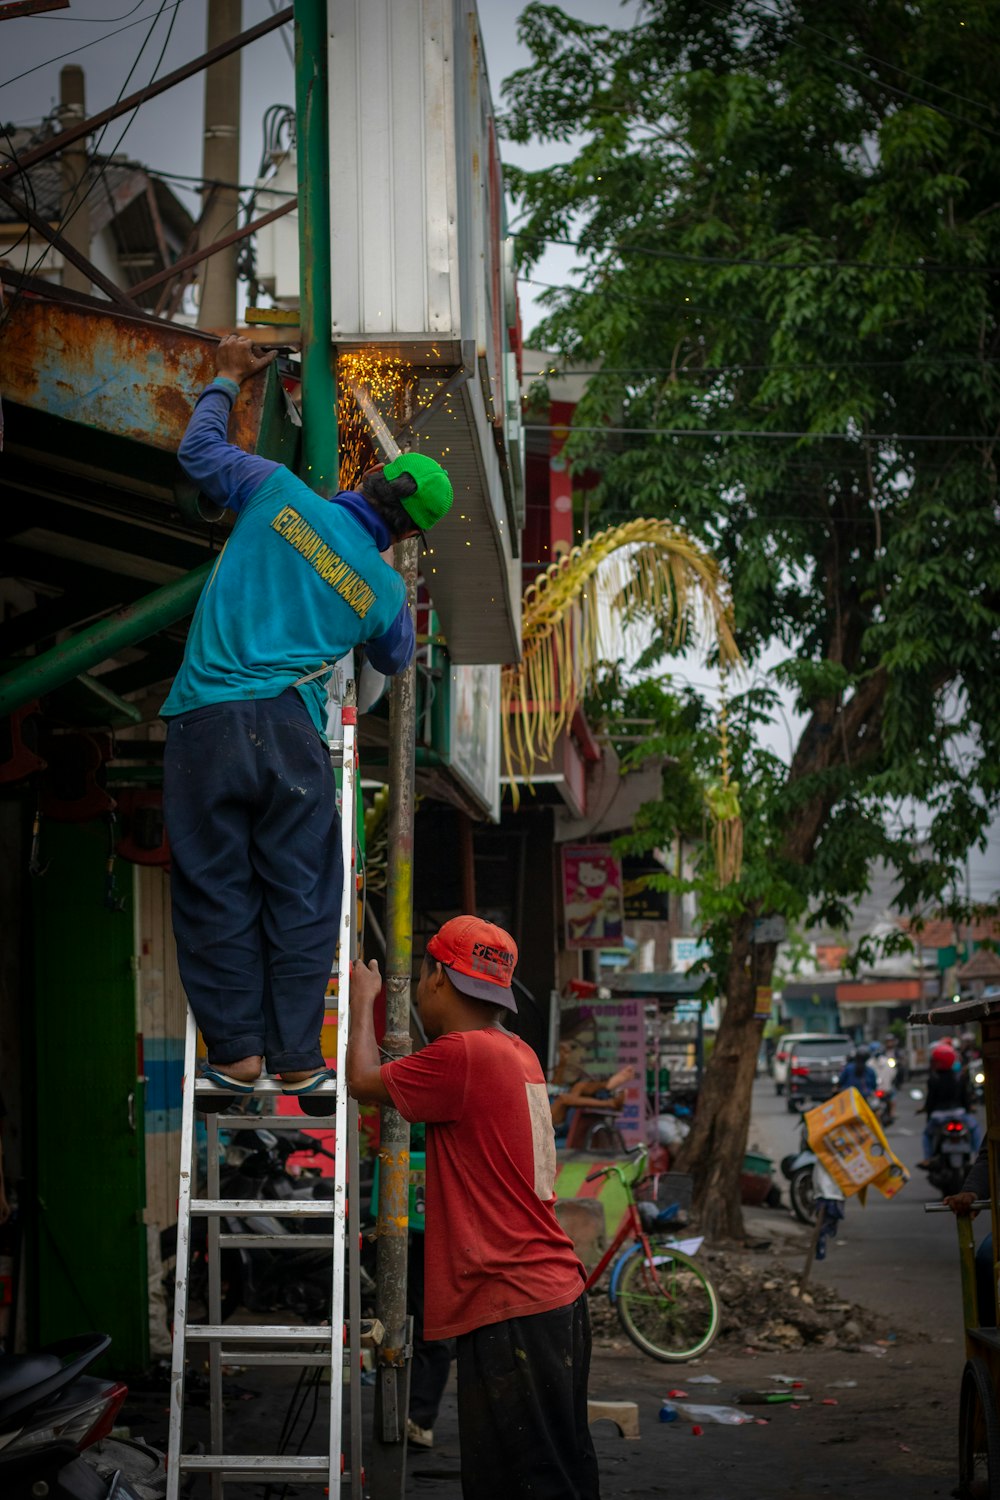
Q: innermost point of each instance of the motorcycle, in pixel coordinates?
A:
(55, 1426)
(883, 1107)
(799, 1169)
(951, 1152)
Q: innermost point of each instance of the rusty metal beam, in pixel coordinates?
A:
(30, 7)
(70, 252)
(87, 127)
(187, 261)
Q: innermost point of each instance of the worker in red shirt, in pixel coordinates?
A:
(501, 1276)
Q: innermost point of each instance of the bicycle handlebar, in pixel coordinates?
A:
(945, 1208)
(637, 1155)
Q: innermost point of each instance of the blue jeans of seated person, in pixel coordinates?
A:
(958, 1114)
(255, 876)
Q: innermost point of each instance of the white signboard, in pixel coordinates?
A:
(686, 952)
(474, 733)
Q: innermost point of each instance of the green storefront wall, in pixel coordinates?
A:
(86, 1267)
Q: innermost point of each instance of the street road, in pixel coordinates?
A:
(890, 1254)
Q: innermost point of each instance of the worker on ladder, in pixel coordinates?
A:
(249, 791)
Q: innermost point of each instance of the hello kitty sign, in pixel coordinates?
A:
(593, 896)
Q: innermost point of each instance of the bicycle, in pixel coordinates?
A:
(665, 1302)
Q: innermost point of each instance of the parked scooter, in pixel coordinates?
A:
(54, 1421)
(808, 1180)
(799, 1169)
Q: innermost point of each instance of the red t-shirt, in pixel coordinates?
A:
(493, 1246)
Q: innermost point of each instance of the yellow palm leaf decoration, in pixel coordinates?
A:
(646, 567)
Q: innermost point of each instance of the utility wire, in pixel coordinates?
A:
(84, 45)
(882, 61)
(817, 365)
(768, 264)
(762, 432)
(876, 81)
(100, 177)
(92, 20)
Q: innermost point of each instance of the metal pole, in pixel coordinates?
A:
(69, 252)
(319, 381)
(220, 165)
(389, 1449)
(75, 208)
(41, 674)
(186, 262)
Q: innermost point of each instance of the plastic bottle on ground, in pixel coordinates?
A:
(727, 1416)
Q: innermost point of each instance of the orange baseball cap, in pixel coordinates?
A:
(479, 959)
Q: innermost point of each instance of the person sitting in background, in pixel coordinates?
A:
(570, 1086)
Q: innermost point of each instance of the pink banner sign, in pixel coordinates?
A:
(593, 896)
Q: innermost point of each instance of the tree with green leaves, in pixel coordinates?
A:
(789, 231)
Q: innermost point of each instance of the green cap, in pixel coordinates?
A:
(433, 496)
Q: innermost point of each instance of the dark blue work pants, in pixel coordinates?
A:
(255, 876)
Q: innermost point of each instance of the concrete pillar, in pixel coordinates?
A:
(74, 212)
(220, 164)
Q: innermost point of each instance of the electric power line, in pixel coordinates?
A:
(939, 109)
(817, 365)
(92, 20)
(83, 46)
(763, 432)
(885, 63)
(768, 264)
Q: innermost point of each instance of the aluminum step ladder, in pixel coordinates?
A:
(336, 1348)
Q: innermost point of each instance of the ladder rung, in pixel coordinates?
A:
(283, 1358)
(278, 1122)
(276, 1241)
(371, 1332)
(275, 1208)
(264, 1333)
(260, 1465)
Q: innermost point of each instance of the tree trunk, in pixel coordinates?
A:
(714, 1150)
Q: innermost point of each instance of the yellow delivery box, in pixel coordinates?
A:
(849, 1143)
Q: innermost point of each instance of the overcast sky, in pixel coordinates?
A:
(165, 134)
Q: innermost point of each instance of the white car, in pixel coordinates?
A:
(785, 1048)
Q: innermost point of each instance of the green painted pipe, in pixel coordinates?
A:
(120, 707)
(312, 123)
(36, 675)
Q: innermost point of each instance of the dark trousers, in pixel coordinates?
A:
(986, 1295)
(432, 1358)
(255, 876)
(522, 1408)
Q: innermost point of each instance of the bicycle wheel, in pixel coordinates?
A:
(802, 1195)
(978, 1435)
(666, 1304)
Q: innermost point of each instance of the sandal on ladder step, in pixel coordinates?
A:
(225, 1084)
(310, 1102)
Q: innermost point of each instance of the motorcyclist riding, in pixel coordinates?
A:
(859, 1074)
(948, 1094)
